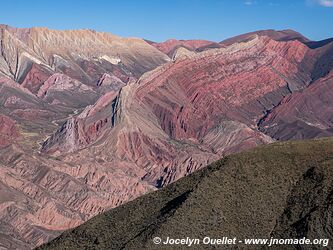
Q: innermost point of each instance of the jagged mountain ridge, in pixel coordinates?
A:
(32, 56)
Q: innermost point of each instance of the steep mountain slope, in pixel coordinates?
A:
(319, 59)
(305, 114)
(46, 77)
(187, 112)
(324, 63)
(270, 191)
(199, 99)
(57, 73)
(30, 56)
(237, 83)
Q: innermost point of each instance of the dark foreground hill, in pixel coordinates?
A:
(283, 190)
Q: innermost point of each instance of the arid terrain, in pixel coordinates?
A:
(90, 120)
(246, 195)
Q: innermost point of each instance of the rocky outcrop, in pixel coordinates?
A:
(62, 90)
(108, 83)
(8, 131)
(84, 129)
(35, 77)
(14, 97)
(113, 81)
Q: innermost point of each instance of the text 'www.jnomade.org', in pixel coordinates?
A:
(234, 241)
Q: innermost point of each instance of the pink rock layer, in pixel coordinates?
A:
(8, 131)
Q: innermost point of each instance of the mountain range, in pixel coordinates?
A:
(90, 120)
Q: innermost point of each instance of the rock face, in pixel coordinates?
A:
(82, 130)
(246, 195)
(107, 80)
(103, 120)
(162, 122)
(192, 95)
(62, 90)
(42, 197)
(46, 78)
(305, 114)
(8, 131)
(83, 55)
